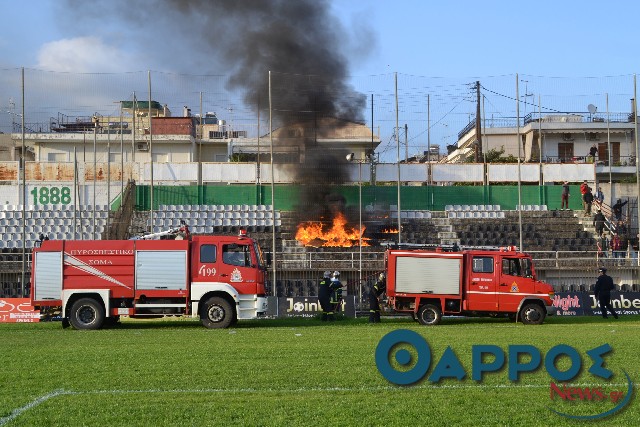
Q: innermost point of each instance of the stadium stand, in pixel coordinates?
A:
(53, 221)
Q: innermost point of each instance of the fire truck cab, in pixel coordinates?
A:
(219, 279)
(474, 282)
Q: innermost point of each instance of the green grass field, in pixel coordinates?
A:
(291, 372)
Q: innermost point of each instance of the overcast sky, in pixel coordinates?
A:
(443, 38)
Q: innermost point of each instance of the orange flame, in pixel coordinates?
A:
(390, 231)
(339, 235)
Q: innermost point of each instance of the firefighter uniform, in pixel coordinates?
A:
(374, 298)
(324, 295)
(336, 294)
(602, 291)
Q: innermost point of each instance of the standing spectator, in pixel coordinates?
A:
(564, 203)
(602, 292)
(621, 228)
(617, 209)
(592, 153)
(583, 190)
(588, 200)
(598, 222)
(603, 246)
(616, 246)
(599, 197)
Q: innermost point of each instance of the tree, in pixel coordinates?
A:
(495, 155)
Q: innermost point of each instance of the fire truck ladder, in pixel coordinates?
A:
(450, 248)
(179, 233)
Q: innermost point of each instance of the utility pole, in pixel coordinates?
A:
(478, 146)
(406, 143)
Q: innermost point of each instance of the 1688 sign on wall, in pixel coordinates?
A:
(50, 195)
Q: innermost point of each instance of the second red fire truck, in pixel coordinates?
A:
(430, 283)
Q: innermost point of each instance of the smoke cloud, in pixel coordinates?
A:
(299, 41)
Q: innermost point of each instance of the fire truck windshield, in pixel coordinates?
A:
(517, 267)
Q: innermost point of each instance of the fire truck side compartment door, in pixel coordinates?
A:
(48, 276)
(421, 275)
(159, 270)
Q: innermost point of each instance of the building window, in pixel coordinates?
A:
(565, 151)
(57, 157)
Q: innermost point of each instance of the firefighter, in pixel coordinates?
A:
(602, 291)
(336, 294)
(374, 298)
(324, 295)
(183, 232)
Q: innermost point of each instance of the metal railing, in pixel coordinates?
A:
(299, 275)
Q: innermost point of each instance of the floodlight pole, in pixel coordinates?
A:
(635, 123)
(24, 193)
(273, 237)
(95, 173)
(519, 171)
(398, 159)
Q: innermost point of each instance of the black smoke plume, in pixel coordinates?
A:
(299, 41)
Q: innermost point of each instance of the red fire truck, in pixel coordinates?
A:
(430, 283)
(219, 279)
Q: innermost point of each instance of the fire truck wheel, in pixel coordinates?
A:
(429, 315)
(86, 313)
(532, 314)
(216, 313)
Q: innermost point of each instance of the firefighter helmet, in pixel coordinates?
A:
(336, 273)
(327, 274)
(381, 277)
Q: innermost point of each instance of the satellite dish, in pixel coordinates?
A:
(592, 108)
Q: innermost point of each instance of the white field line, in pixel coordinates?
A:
(16, 412)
